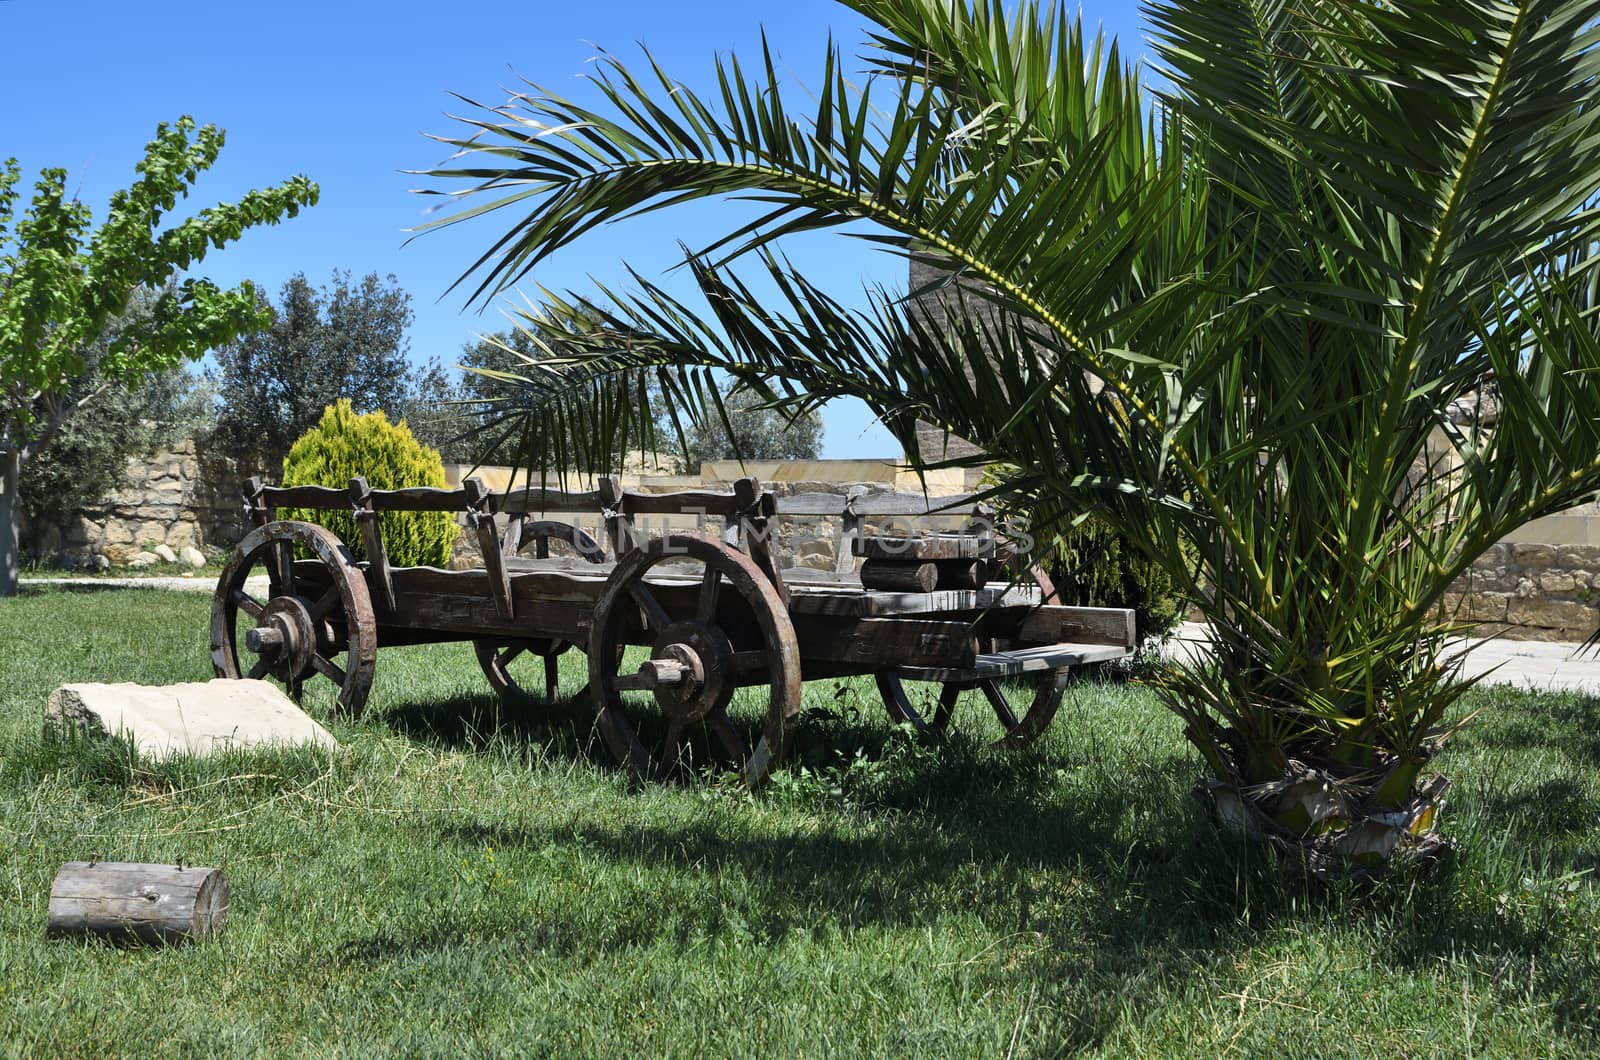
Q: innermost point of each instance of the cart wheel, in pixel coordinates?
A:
(314, 611)
(496, 655)
(704, 643)
(1019, 732)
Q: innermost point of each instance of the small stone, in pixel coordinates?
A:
(199, 717)
(143, 559)
(165, 554)
(100, 562)
(1537, 556)
(192, 556)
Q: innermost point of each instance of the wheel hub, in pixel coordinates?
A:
(707, 660)
(285, 635)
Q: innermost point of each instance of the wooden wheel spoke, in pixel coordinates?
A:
(248, 604)
(551, 670)
(656, 617)
(511, 653)
(947, 705)
(260, 669)
(997, 700)
(286, 568)
(710, 583)
(672, 748)
(328, 668)
(728, 735)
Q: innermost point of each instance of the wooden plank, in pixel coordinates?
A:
(420, 499)
(1016, 663)
(874, 504)
(683, 502)
(321, 498)
(830, 600)
(1056, 623)
(875, 642)
(924, 546)
(814, 504)
(531, 501)
(132, 902)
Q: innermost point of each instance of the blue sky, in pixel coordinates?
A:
(344, 92)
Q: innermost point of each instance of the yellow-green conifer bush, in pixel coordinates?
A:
(345, 444)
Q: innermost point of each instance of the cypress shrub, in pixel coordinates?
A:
(1093, 567)
(343, 445)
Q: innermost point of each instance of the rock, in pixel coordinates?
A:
(100, 562)
(200, 717)
(143, 559)
(1569, 619)
(1536, 556)
(166, 554)
(818, 555)
(192, 556)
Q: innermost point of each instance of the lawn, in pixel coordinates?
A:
(461, 879)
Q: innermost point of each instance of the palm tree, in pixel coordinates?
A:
(1231, 316)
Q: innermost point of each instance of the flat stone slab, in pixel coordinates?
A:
(197, 718)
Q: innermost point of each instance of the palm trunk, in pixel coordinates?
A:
(10, 483)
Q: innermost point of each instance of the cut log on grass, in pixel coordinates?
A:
(128, 902)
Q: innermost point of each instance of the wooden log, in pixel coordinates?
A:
(962, 573)
(130, 902)
(898, 576)
(924, 547)
(874, 504)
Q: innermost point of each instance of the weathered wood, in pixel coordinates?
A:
(898, 576)
(481, 522)
(813, 504)
(962, 573)
(619, 526)
(683, 502)
(1015, 663)
(878, 504)
(130, 902)
(924, 547)
(871, 642)
(321, 498)
(530, 501)
(1054, 624)
(754, 513)
(367, 521)
(327, 498)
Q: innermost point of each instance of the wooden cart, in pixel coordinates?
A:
(713, 606)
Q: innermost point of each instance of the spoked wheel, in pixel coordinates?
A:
(314, 612)
(1019, 731)
(495, 656)
(713, 624)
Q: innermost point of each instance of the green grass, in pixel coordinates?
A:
(463, 879)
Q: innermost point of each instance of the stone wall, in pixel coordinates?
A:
(174, 499)
(1541, 583)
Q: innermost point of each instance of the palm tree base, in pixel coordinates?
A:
(1332, 832)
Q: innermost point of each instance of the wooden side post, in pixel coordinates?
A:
(619, 525)
(756, 509)
(378, 574)
(129, 902)
(481, 521)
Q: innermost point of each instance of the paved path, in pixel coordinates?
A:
(199, 583)
(1548, 665)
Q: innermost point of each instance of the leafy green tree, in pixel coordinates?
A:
(757, 433)
(88, 457)
(463, 420)
(61, 284)
(1245, 315)
(344, 341)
